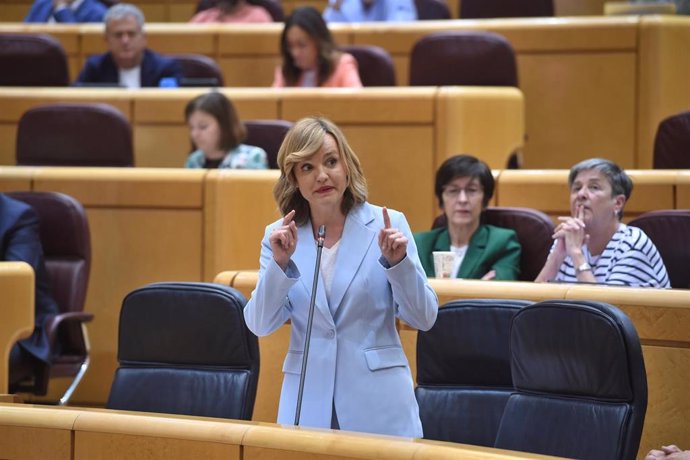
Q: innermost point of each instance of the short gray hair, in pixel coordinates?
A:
(123, 10)
(620, 182)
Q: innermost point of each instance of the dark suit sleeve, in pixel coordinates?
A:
(88, 73)
(171, 69)
(23, 241)
(507, 264)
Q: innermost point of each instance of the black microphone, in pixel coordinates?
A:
(321, 236)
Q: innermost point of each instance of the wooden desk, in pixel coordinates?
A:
(17, 288)
(662, 319)
(33, 432)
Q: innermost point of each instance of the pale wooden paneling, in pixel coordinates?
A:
(17, 287)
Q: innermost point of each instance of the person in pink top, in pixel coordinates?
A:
(310, 55)
(232, 11)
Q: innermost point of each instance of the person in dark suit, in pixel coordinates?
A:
(20, 242)
(464, 187)
(66, 11)
(128, 63)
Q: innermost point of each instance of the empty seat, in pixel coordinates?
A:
(184, 348)
(269, 135)
(672, 143)
(74, 135)
(198, 70)
(463, 58)
(533, 229)
(32, 60)
(374, 63)
(479, 9)
(669, 230)
(463, 370)
(580, 382)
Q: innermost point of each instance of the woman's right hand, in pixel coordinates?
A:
(283, 240)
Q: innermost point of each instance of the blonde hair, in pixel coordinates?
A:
(304, 140)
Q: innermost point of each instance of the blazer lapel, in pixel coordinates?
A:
(305, 259)
(355, 242)
(474, 254)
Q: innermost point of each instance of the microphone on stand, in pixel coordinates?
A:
(321, 236)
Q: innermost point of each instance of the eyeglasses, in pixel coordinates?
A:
(454, 192)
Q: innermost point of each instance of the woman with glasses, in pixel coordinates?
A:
(464, 187)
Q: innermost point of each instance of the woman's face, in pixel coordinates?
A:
(302, 48)
(591, 193)
(463, 199)
(204, 131)
(322, 178)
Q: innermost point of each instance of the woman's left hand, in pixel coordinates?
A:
(572, 230)
(393, 242)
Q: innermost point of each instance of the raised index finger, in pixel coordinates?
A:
(288, 217)
(386, 219)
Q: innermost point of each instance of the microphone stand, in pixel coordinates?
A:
(319, 247)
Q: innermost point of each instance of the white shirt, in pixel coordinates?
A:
(460, 252)
(131, 78)
(328, 256)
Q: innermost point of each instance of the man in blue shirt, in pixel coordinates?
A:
(66, 11)
(370, 10)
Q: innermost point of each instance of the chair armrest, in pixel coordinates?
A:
(54, 323)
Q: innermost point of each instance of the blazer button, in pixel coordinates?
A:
(331, 333)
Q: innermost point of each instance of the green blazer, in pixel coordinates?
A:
(490, 248)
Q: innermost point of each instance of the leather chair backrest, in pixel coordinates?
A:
(74, 135)
(32, 60)
(463, 58)
(274, 7)
(480, 9)
(533, 229)
(199, 67)
(672, 143)
(580, 382)
(374, 63)
(269, 135)
(66, 241)
(463, 370)
(432, 9)
(184, 348)
(669, 230)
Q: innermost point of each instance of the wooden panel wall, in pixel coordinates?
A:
(594, 86)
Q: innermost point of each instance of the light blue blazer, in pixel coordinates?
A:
(356, 360)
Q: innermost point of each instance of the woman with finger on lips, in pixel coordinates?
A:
(593, 245)
(358, 377)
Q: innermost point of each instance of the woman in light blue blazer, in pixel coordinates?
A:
(358, 377)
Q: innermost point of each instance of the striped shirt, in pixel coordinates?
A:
(629, 259)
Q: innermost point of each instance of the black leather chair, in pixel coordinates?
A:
(580, 382)
(198, 70)
(74, 135)
(533, 229)
(669, 230)
(432, 9)
(463, 58)
(482, 9)
(32, 60)
(374, 63)
(463, 370)
(269, 135)
(66, 241)
(672, 143)
(184, 349)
